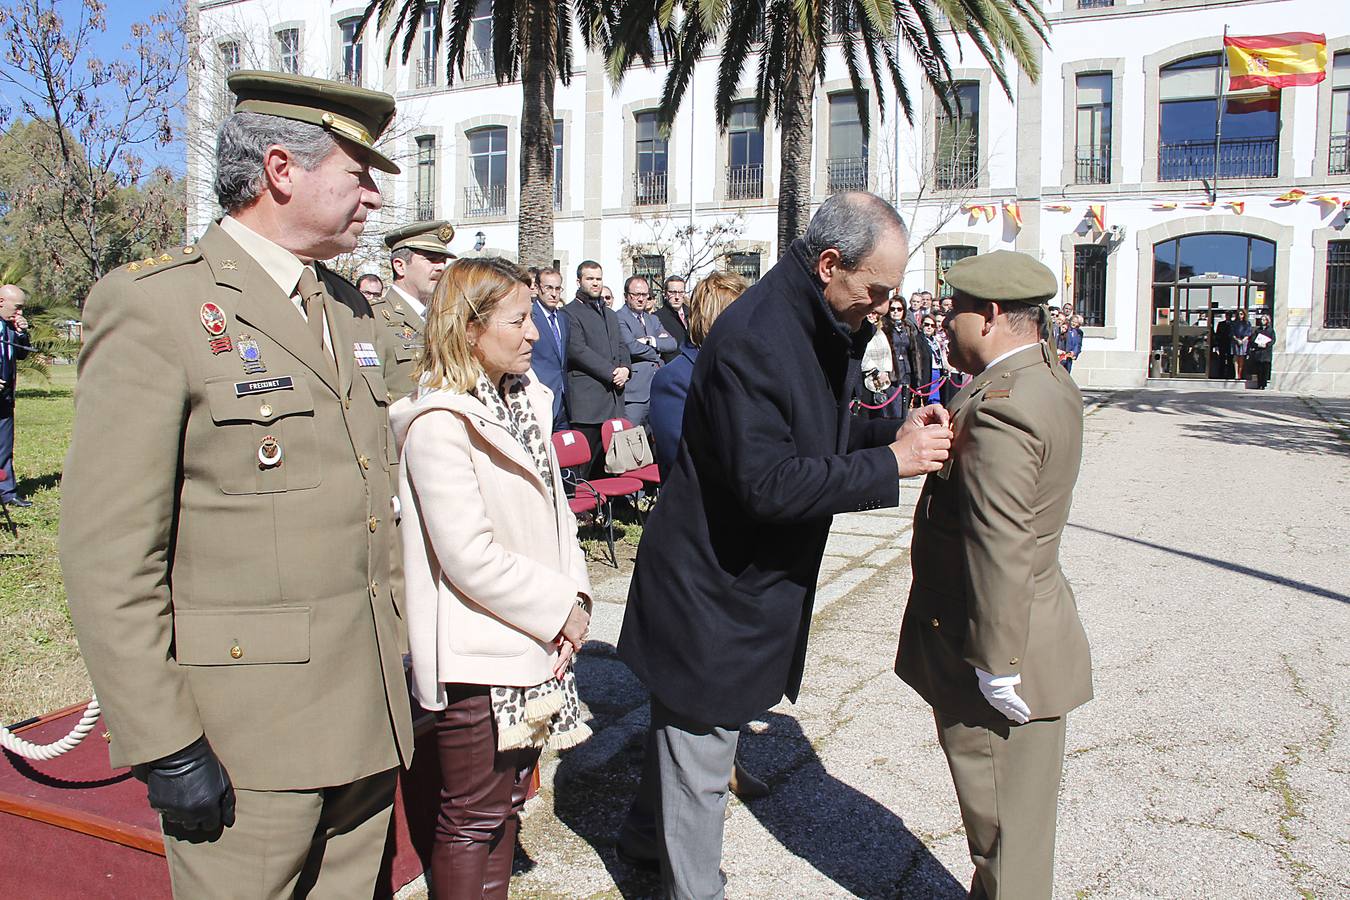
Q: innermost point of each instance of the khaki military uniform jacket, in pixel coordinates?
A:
(401, 330)
(211, 593)
(988, 591)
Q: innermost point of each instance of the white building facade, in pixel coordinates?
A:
(1102, 168)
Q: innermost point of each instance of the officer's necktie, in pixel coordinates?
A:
(315, 299)
(557, 332)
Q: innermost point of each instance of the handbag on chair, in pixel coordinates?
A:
(628, 450)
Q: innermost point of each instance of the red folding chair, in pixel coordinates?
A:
(573, 450)
(649, 474)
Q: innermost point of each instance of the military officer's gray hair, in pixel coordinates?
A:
(403, 253)
(851, 222)
(242, 145)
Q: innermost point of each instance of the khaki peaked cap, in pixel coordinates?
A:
(429, 237)
(356, 114)
(1003, 276)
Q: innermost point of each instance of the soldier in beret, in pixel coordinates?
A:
(226, 526)
(417, 256)
(991, 636)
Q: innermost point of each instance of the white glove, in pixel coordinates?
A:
(1001, 692)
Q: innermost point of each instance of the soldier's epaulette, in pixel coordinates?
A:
(998, 394)
(166, 260)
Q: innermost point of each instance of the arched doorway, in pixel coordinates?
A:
(1200, 282)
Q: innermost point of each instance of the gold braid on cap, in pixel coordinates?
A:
(347, 129)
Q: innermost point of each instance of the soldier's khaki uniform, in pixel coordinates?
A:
(988, 593)
(401, 325)
(214, 591)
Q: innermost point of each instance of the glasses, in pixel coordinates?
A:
(636, 294)
(929, 324)
(373, 295)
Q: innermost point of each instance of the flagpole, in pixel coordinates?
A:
(1218, 119)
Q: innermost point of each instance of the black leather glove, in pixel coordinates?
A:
(190, 788)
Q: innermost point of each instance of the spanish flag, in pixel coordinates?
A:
(1013, 211)
(1276, 60)
(1097, 213)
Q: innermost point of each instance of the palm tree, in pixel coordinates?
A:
(47, 331)
(532, 41)
(788, 38)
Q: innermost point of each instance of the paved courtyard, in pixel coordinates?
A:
(1207, 551)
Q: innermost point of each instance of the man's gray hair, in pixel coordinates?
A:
(851, 222)
(242, 145)
(402, 253)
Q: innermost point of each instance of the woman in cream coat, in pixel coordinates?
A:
(497, 593)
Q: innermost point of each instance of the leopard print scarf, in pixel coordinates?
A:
(548, 713)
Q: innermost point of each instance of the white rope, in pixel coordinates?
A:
(77, 734)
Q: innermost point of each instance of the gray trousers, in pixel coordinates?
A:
(681, 803)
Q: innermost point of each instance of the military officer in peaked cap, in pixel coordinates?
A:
(225, 531)
(991, 635)
(417, 256)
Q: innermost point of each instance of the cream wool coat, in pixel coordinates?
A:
(492, 567)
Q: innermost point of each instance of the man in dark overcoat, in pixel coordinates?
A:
(598, 365)
(721, 596)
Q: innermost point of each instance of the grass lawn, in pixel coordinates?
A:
(40, 665)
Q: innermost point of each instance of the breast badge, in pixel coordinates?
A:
(213, 319)
(269, 452)
(251, 355)
(365, 354)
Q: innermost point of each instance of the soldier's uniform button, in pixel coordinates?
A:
(1007, 374)
(189, 250)
(1014, 661)
(374, 523)
(388, 398)
(935, 623)
(346, 402)
(236, 652)
(265, 411)
(364, 461)
(374, 588)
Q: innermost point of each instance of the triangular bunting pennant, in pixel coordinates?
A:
(1292, 196)
(1238, 206)
(1059, 207)
(1013, 211)
(1165, 205)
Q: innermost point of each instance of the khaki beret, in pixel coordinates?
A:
(353, 113)
(429, 237)
(1003, 276)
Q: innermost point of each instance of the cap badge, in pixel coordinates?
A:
(445, 233)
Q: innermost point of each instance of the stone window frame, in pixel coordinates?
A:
(1153, 63)
(1322, 149)
(219, 75)
(274, 44)
(976, 239)
(414, 62)
(1086, 235)
(769, 197)
(335, 20)
(928, 147)
(1317, 332)
(821, 178)
(565, 205)
(1248, 225)
(763, 248)
(463, 172)
(630, 113)
(1115, 66)
(434, 132)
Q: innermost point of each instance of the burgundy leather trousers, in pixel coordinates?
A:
(482, 793)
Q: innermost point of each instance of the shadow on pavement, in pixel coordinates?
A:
(1224, 564)
(847, 836)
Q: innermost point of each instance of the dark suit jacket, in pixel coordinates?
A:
(13, 347)
(721, 596)
(670, 389)
(595, 348)
(550, 361)
(678, 330)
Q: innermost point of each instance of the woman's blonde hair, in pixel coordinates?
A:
(709, 300)
(468, 291)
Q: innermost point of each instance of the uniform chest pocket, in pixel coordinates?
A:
(403, 340)
(379, 391)
(244, 460)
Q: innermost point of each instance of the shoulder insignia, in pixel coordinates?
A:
(165, 261)
(998, 394)
(134, 267)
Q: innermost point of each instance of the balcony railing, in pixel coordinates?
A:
(425, 73)
(485, 200)
(478, 65)
(1238, 158)
(345, 75)
(426, 209)
(1338, 163)
(1092, 165)
(745, 182)
(955, 173)
(846, 173)
(1095, 4)
(649, 188)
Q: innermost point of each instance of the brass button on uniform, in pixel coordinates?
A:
(936, 623)
(373, 523)
(1014, 661)
(374, 588)
(364, 461)
(265, 411)
(346, 402)
(236, 652)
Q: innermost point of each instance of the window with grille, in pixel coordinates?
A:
(958, 139)
(229, 62)
(1092, 151)
(426, 177)
(745, 265)
(352, 51)
(288, 50)
(1338, 163)
(486, 193)
(651, 266)
(846, 167)
(428, 47)
(1189, 145)
(745, 153)
(479, 63)
(1089, 283)
(557, 163)
(1338, 285)
(649, 181)
(946, 258)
